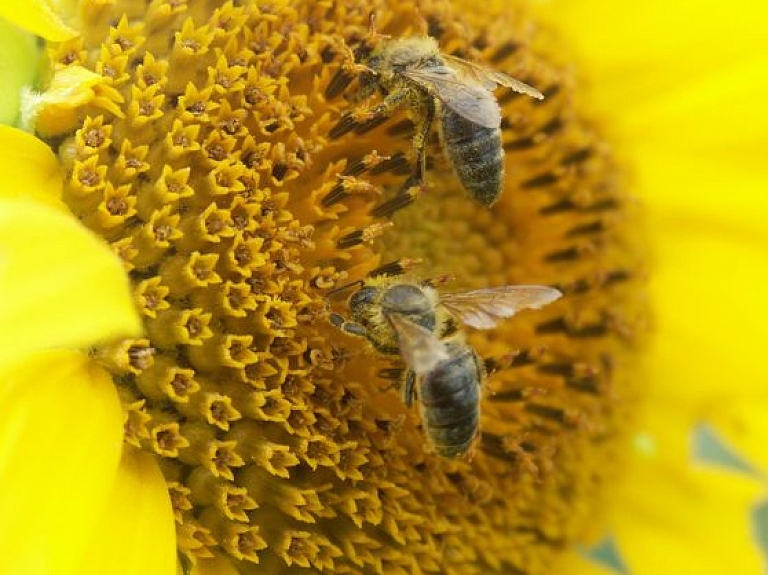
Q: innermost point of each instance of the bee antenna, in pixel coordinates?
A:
(343, 287)
(373, 35)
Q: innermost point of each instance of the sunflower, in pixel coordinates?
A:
(200, 143)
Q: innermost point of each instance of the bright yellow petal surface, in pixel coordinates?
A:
(38, 17)
(573, 563)
(680, 86)
(30, 170)
(136, 535)
(60, 439)
(701, 152)
(743, 422)
(651, 49)
(55, 110)
(711, 312)
(60, 285)
(18, 59)
(678, 518)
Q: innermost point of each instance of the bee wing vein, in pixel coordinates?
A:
(468, 98)
(483, 308)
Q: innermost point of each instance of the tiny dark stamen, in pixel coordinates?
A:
(355, 167)
(338, 83)
(503, 52)
(584, 384)
(279, 171)
(370, 124)
(616, 276)
(389, 207)
(552, 127)
(540, 181)
(351, 239)
(548, 412)
(519, 144)
(394, 268)
(507, 396)
(567, 254)
(345, 125)
(564, 369)
(394, 163)
(336, 194)
(590, 228)
(577, 157)
(558, 207)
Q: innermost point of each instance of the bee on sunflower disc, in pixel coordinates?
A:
(412, 320)
(413, 72)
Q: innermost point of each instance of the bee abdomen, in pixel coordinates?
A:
(450, 400)
(476, 154)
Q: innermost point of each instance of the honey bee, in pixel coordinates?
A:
(412, 320)
(413, 72)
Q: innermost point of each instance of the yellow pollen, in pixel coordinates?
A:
(208, 147)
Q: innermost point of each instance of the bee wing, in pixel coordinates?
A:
(483, 308)
(420, 348)
(465, 95)
(491, 78)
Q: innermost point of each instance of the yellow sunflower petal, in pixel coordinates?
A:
(29, 168)
(55, 110)
(136, 534)
(38, 17)
(18, 54)
(711, 313)
(52, 491)
(672, 510)
(657, 47)
(60, 285)
(574, 563)
(701, 152)
(743, 423)
(696, 522)
(690, 117)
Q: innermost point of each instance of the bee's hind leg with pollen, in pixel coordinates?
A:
(423, 115)
(357, 118)
(424, 111)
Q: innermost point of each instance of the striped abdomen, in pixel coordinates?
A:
(450, 401)
(476, 154)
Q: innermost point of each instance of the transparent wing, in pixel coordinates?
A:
(491, 78)
(462, 94)
(483, 308)
(420, 348)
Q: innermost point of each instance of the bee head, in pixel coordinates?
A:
(362, 301)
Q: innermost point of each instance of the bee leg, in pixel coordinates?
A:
(426, 115)
(409, 388)
(367, 82)
(349, 327)
(389, 104)
(357, 118)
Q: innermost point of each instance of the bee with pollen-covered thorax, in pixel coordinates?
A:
(412, 72)
(412, 320)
